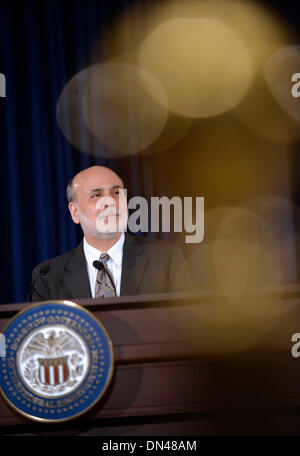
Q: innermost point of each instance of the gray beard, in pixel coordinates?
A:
(90, 228)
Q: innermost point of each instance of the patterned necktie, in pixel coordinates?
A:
(104, 281)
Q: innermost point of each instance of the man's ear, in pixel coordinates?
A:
(74, 212)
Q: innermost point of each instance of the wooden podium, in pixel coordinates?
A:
(190, 364)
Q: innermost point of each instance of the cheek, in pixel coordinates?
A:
(91, 209)
(122, 206)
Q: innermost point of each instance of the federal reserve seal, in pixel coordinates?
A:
(59, 361)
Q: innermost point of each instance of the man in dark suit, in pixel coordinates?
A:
(133, 265)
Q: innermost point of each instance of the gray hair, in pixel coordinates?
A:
(71, 195)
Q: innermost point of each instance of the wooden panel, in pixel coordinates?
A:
(169, 363)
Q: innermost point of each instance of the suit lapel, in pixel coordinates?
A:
(76, 278)
(133, 266)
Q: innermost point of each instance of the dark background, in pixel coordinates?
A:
(43, 44)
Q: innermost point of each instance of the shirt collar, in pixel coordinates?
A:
(115, 252)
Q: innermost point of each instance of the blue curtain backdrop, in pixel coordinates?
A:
(43, 44)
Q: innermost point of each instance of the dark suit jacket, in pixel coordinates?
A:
(149, 266)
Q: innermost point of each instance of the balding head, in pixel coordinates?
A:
(98, 203)
(99, 174)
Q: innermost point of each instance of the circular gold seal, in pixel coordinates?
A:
(59, 361)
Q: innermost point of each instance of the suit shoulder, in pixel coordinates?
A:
(152, 243)
(58, 261)
(142, 240)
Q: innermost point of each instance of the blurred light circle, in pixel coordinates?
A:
(260, 28)
(120, 107)
(114, 105)
(203, 64)
(175, 127)
(241, 252)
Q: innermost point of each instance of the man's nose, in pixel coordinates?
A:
(107, 205)
(105, 202)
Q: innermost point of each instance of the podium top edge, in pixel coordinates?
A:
(192, 297)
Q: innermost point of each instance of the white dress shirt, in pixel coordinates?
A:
(114, 263)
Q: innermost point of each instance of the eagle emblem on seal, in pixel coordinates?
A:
(53, 361)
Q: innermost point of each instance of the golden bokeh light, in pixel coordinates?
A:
(235, 262)
(258, 26)
(161, 68)
(242, 252)
(205, 53)
(242, 257)
(261, 113)
(224, 159)
(191, 56)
